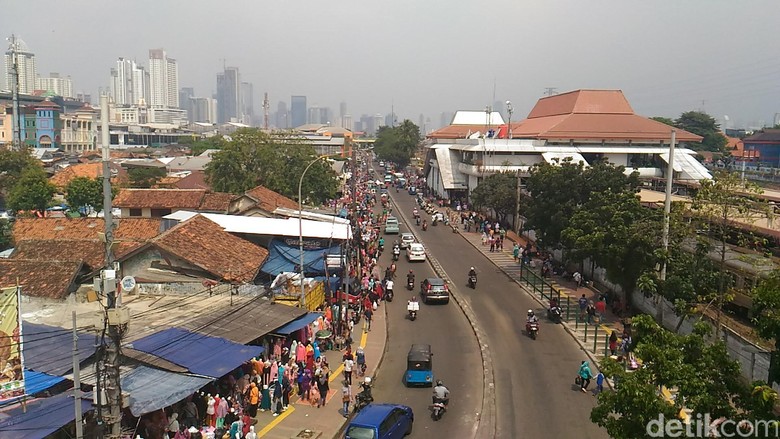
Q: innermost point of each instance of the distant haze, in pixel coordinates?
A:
(429, 56)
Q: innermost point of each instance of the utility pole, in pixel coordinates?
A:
(77, 382)
(266, 106)
(116, 316)
(667, 220)
(17, 122)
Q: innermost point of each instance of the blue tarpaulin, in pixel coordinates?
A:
(333, 283)
(169, 388)
(36, 382)
(49, 349)
(298, 324)
(284, 258)
(43, 417)
(200, 354)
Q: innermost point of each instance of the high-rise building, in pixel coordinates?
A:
(25, 66)
(346, 122)
(203, 110)
(129, 83)
(185, 94)
(342, 110)
(247, 103)
(55, 84)
(298, 111)
(282, 116)
(228, 95)
(163, 80)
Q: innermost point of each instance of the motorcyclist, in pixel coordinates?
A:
(413, 304)
(389, 286)
(531, 317)
(415, 213)
(425, 225)
(365, 393)
(381, 244)
(441, 393)
(410, 277)
(472, 272)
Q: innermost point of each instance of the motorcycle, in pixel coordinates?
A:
(554, 314)
(396, 253)
(473, 282)
(363, 398)
(437, 410)
(532, 329)
(425, 226)
(410, 284)
(417, 220)
(389, 295)
(412, 315)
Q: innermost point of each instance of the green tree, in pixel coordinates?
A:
(32, 191)
(253, 157)
(497, 192)
(702, 124)
(718, 204)
(664, 120)
(5, 234)
(199, 146)
(766, 308)
(145, 177)
(397, 144)
(85, 193)
(558, 191)
(12, 163)
(703, 376)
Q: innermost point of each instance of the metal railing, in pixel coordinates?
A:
(539, 286)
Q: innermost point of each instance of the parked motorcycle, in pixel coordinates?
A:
(532, 329)
(473, 282)
(363, 398)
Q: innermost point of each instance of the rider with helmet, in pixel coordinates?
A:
(531, 317)
(472, 272)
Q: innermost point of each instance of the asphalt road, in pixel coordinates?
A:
(533, 378)
(456, 355)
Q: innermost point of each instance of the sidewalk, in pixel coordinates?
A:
(304, 420)
(593, 338)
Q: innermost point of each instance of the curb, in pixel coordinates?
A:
(340, 432)
(566, 326)
(486, 424)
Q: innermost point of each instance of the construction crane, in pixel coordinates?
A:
(266, 106)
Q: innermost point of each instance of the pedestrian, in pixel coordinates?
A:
(346, 397)
(348, 364)
(368, 314)
(361, 361)
(583, 304)
(492, 241)
(601, 308)
(585, 376)
(265, 398)
(323, 385)
(599, 383)
(286, 389)
(591, 311)
(254, 399)
(577, 280)
(276, 403)
(516, 251)
(613, 339)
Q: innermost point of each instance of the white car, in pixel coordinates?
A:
(406, 240)
(415, 252)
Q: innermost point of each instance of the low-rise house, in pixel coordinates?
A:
(89, 170)
(156, 203)
(260, 201)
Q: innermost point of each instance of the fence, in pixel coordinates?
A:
(545, 290)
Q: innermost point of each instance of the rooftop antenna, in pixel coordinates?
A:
(549, 91)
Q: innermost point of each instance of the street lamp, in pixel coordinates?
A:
(300, 222)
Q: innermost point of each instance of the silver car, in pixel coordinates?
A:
(406, 239)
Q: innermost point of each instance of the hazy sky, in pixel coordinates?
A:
(429, 56)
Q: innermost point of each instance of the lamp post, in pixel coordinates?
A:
(300, 222)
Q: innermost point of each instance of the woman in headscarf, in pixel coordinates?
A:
(173, 425)
(265, 400)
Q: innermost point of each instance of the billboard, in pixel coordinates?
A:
(11, 376)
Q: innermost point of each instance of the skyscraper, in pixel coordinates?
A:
(247, 103)
(185, 94)
(164, 80)
(228, 95)
(25, 64)
(342, 109)
(282, 116)
(55, 84)
(298, 111)
(129, 83)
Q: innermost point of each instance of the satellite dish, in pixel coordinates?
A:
(128, 283)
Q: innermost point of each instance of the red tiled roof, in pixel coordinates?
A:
(127, 229)
(89, 170)
(205, 244)
(269, 200)
(582, 101)
(159, 198)
(457, 131)
(216, 202)
(49, 279)
(196, 180)
(92, 252)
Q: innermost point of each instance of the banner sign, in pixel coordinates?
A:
(11, 376)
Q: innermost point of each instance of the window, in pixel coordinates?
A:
(159, 213)
(389, 422)
(136, 212)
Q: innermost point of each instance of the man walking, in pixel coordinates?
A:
(348, 364)
(583, 303)
(368, 314)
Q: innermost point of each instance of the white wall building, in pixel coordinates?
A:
(55, 84)
(164, 80)
(26, 66)
(129, 83)
(79, 130)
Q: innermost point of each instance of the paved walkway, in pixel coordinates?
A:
(592, 337)
(304, 420)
